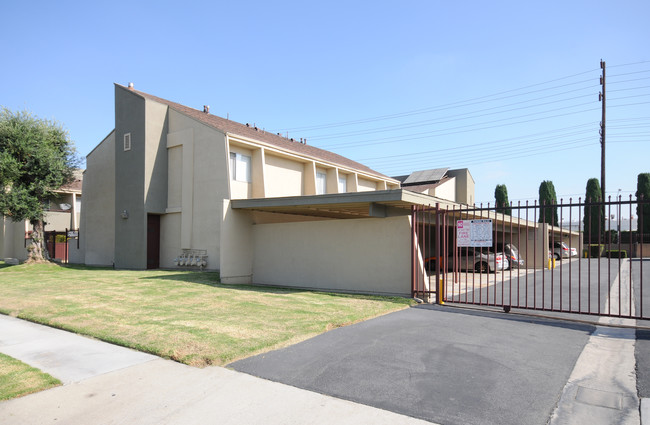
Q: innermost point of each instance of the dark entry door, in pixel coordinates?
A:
(153, 241)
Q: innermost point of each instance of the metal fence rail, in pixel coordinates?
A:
(576, 257)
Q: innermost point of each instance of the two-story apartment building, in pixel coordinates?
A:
(172, 186)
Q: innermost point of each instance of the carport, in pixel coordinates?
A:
(371, 242)
(351, 242)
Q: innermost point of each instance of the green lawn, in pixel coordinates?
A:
(186, 316)
(18, 379)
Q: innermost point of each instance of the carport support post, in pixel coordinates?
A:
(413, 287)
(439, 262)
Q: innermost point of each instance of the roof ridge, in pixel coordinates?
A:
(278, 141)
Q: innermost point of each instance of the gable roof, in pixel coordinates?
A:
(235, 128)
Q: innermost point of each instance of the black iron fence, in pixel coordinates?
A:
(575, 257)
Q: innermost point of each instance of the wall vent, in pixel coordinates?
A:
(127, 142)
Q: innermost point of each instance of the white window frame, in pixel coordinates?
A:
(127, 142)
(343, 183)
(240, 167)
(321, 182)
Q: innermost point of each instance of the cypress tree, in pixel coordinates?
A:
(643, 208)
(594, 216)
(548, 203)
(501, 198)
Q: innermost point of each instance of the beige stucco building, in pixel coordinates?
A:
(177, 187)
(173, 186)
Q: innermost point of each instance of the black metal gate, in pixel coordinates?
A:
(583, 257)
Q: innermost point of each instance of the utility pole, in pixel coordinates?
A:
(601, 98)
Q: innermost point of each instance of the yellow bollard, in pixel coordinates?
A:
(439, 292)
(551, 263)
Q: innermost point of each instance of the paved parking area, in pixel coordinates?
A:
(456, 366)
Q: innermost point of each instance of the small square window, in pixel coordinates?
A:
(127, 142)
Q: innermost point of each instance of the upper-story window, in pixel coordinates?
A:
(343, 183)
(127, 142)
(240, 167)
(321, 183)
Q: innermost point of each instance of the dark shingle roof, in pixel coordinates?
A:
(235, 128)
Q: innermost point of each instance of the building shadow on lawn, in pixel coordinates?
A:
(212, 279)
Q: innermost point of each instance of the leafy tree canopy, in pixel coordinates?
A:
(36, 158)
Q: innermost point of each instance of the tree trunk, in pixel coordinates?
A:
(38, 249)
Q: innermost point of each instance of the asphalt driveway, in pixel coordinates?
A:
(452, 367)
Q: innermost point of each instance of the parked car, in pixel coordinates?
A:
(480, 260)
(562, 250)
(512, 254)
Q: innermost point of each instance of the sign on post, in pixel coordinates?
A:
(474, 232)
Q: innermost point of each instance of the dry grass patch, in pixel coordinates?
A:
(187, 316)
(18, 379)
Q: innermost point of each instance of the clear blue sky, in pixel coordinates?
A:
(506, 89)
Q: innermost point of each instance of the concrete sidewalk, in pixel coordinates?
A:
(107, 384)
(64, 355)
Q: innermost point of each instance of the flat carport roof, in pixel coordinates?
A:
(381, 203)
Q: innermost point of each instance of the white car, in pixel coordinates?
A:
(562, 250)
(479, 259)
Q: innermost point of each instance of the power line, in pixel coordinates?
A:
(500, 154)
(491, 97)
(500, 157)
(550, 133)
(465, 129)
(460, 129)
(448, 118)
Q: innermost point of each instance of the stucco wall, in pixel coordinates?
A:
(155, 160)
(364, 185)
(365, 255)
(12, 239)
(170, 235)
(174, 176)
(130, 233)
(446, 190)
(57, 221)
(205, 183)
(97, 227)
(464, 185)
(236, 263)
(284, 177)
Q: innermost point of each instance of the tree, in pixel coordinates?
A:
(501, 198)
(643, 208)
(36, 157)
(594, 218)
(548, 203)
